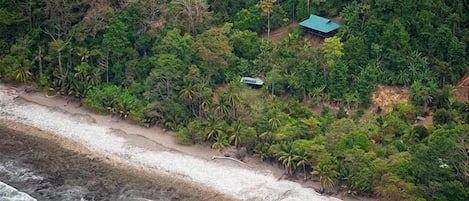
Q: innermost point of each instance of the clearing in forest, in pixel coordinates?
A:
(280, 33)
(387, 96)
(461, 93)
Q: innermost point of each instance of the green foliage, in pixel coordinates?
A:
(112, 99)
(116, 39)
(332, 50)
(221, 141)
(176, 44)
(183, 136)
(341, 113)
(442, 117)
(354, 140)
(155, 62)
(246, 44)
(248, 19)
(337, 131)
(328, 175)
(8, 17)
(421, 94)
(214, 51)
(356, 168)
(441, 162)
(338, 78)
(420, 131)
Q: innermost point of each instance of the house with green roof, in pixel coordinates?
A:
(320, 26)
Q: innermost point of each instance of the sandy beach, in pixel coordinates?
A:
(147, 151)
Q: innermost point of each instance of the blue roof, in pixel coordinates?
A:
(320, 24)
(250, 80)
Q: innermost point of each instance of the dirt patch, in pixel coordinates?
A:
(63, 163)
(461, 93)
(387, 96)
(280, 33)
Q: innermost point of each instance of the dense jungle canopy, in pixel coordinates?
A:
(177, 64)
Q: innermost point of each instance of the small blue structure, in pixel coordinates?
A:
(320, 26)
(254, 82)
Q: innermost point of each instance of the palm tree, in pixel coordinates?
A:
(188, 94)
(266, 7)
(351, 99)
(285, 156)
(232, 99)
(204, 95)
(262, 150)
(274, 120)
(236, 133)
(317, 91)
(327, 175)
(22, 72)
(221, 142)
(301, 158)
(421, 94)
(214, 127)
(221, 107)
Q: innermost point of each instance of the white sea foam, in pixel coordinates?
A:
(238, 182)
(9, 169)
(8, 193)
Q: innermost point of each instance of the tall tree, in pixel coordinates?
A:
(193, 12)
(332, 50)
(177, 44)
(328, 176)
(285, 155)
(266, 7)
(214, 51)
(115, 41)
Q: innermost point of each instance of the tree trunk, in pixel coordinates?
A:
(268, 25)
(304, 171)
(39, 58)
(229, 158)
(107, 67)
(30, 16)
(59, 58)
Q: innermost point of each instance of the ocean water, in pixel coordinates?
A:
(30, 182)
(8, 193)
(10, 172)
(235, 181)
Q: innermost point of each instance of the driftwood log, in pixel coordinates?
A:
(230, 158)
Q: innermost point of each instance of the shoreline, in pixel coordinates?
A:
(157, 139)
(72, 163)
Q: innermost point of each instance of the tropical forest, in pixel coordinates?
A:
(325, 110)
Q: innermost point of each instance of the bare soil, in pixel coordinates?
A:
(461, 92)
(386, 96)
(280, 33)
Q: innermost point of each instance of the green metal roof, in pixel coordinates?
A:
(320, 24)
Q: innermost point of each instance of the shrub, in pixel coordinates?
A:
(341, 113)
(93, 102)
(183, 136)
(420, 131)
(442, 117)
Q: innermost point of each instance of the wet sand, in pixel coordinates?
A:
(62, 163)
